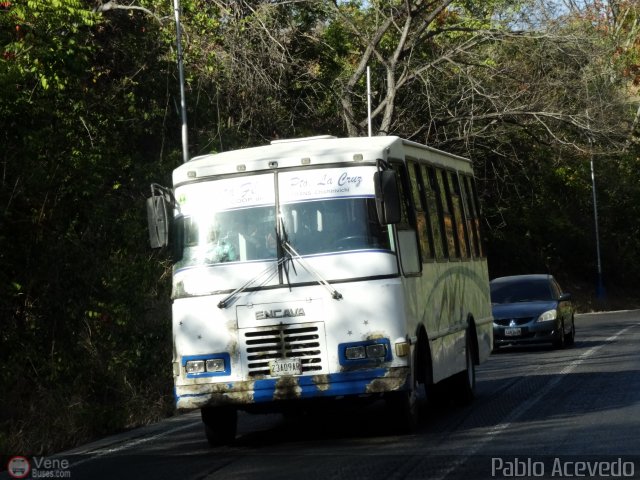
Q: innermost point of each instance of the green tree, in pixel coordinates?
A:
(84, 310)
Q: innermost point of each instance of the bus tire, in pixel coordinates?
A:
(220, 424)
(464, 382)
(405, 407)
(404, 412)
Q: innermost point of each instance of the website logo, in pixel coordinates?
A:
(18, 467)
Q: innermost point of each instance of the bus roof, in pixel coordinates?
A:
(312, 151)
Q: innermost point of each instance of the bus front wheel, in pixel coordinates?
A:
(405, 407)
(220, 424)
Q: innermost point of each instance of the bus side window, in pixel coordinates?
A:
(473, 194)
(459, 214)
(422, 220)
(473, 222)
(434, 209)
(453, 246)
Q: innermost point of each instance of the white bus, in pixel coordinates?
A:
(322, 268)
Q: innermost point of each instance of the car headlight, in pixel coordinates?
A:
(548, 316)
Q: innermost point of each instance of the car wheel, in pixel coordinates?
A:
(220, 424)
(571, 338)
(560, 342)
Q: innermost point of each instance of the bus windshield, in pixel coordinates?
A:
(229, 236)
(311, 228)
(327, 226)
(322, 211)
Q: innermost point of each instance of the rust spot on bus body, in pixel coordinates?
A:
(321, 382)
(211, 395)
(287, 388)
(395, 379)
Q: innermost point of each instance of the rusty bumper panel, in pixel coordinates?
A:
(379, 380)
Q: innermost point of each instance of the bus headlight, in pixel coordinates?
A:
(195, 366)
(215, 365)
(355, 353)
(377, 350)
(208, 365)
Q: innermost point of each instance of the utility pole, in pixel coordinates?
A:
(368, 101)
(183, 102)
(600, 285)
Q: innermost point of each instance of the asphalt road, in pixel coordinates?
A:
(539, 413)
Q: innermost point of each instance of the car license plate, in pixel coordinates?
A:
(285, 366)
(512, 332)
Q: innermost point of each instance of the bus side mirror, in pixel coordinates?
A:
(158, 220)
(387, 197)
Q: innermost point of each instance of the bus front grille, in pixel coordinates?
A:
(305, 341)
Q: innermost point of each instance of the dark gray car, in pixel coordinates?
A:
(531, 309)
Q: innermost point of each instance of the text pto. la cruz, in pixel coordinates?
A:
(561, 468)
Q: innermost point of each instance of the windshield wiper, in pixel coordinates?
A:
(289, 254)
(226, 301)
(292, 253)
(283, 239)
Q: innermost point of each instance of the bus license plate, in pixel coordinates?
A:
(512, 332)
(285, 366)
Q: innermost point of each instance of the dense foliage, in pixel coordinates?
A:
(89, 116)
(82, 301)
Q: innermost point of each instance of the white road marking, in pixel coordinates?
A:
(101, 452)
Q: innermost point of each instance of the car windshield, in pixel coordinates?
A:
(521, 291)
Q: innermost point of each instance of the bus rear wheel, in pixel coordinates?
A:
(464, 383)
(220, 424)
